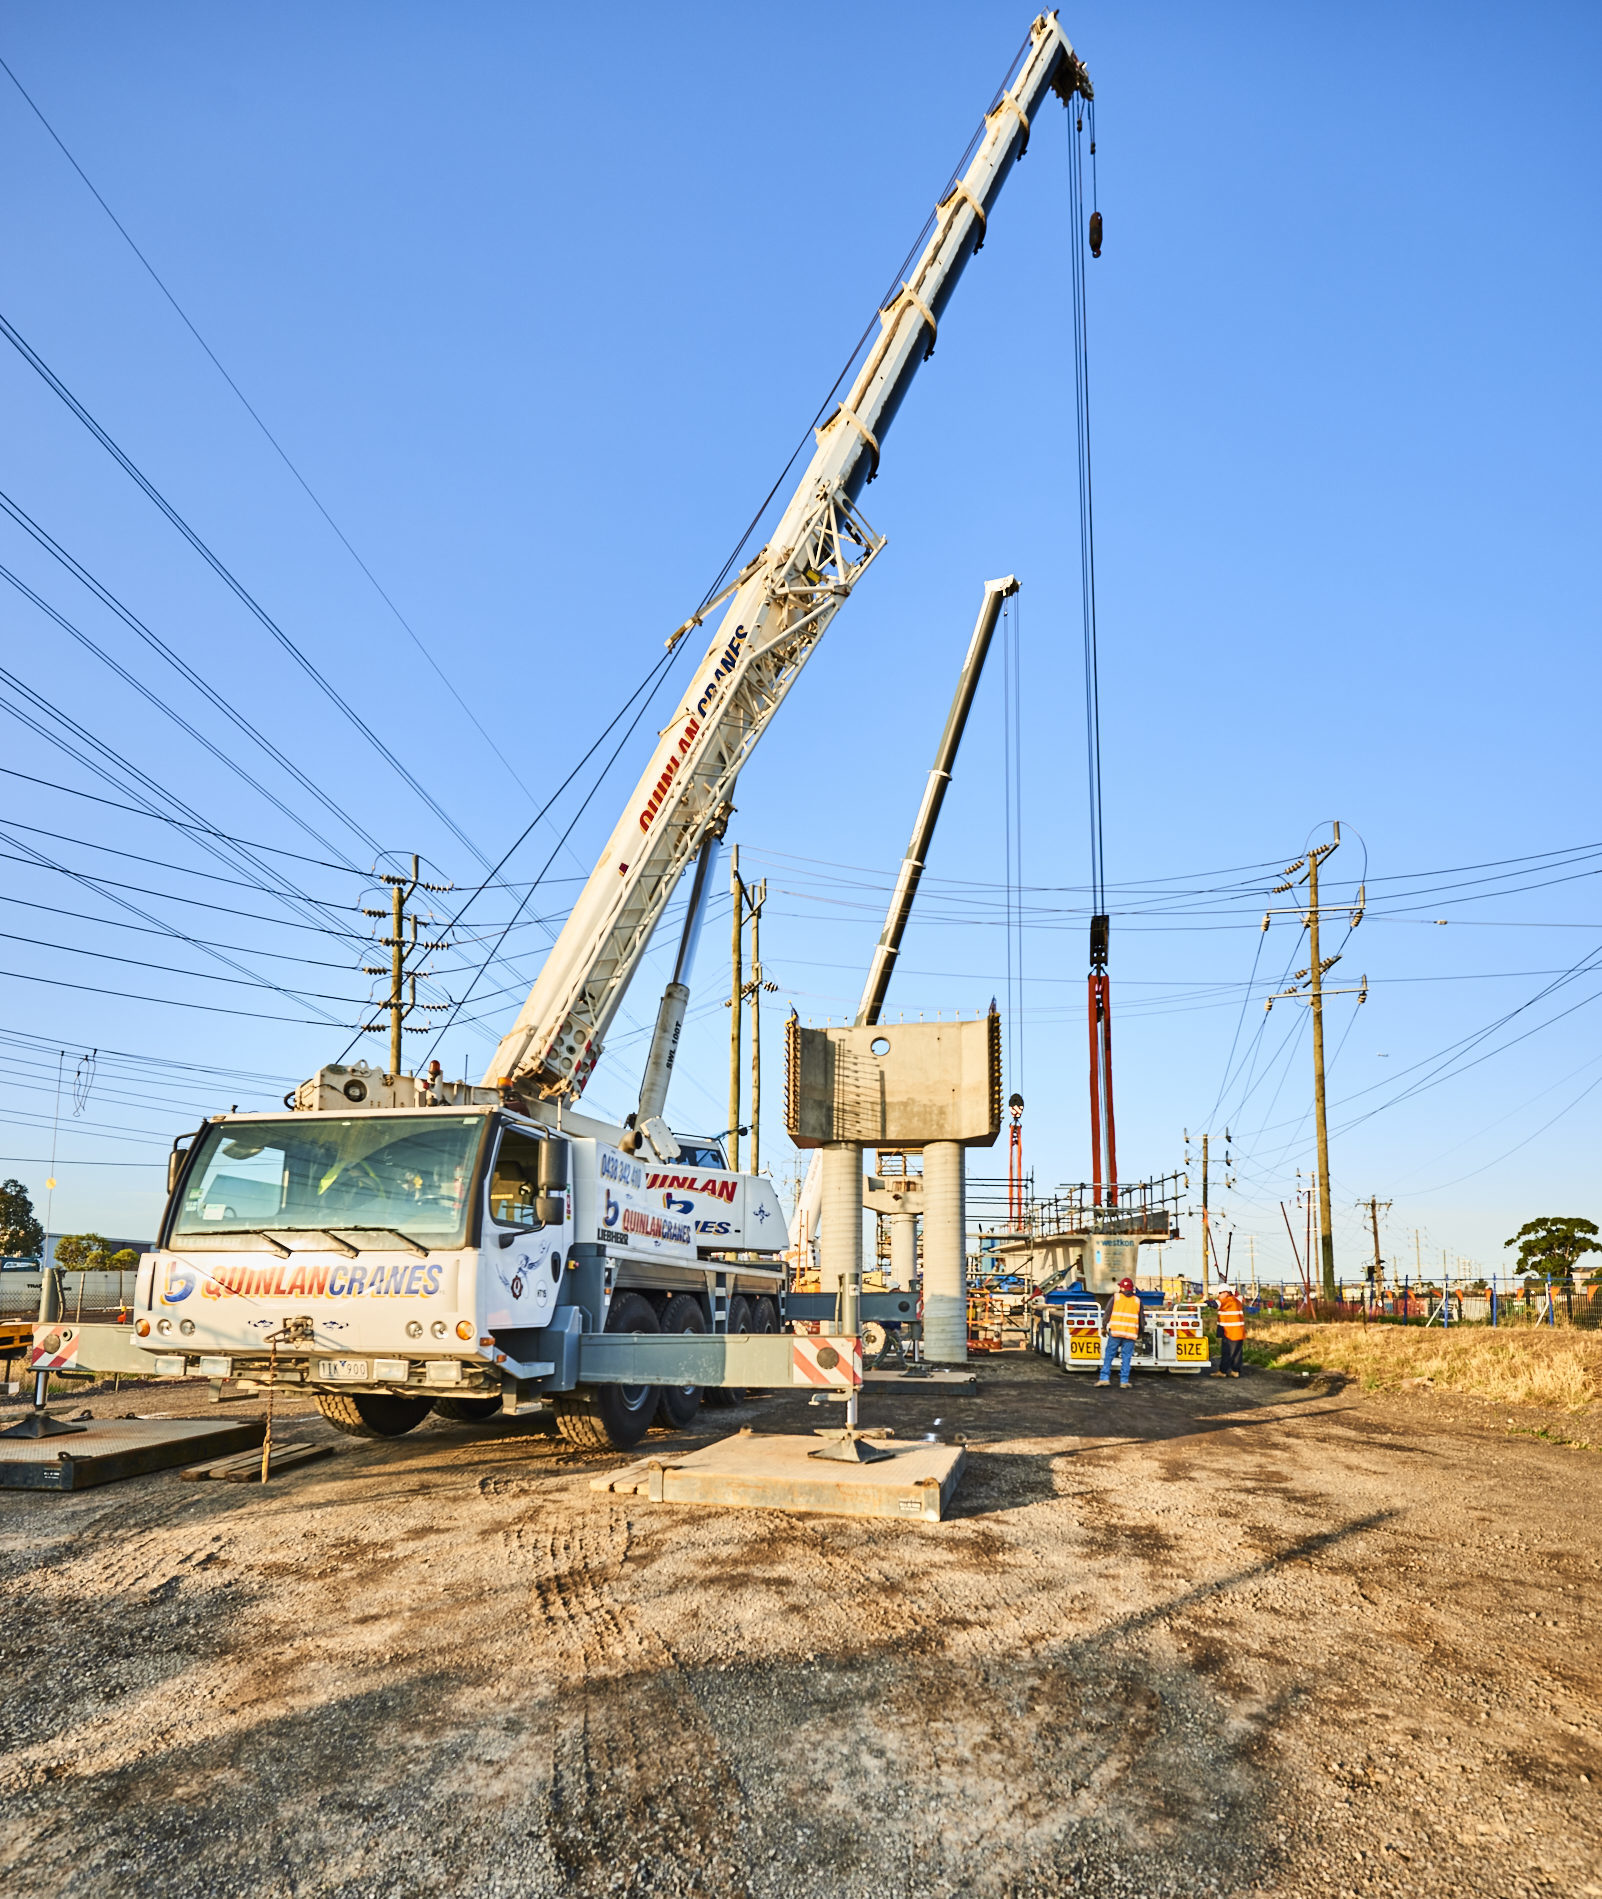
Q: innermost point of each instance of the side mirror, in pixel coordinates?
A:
(550, 1209)
(175, 1161)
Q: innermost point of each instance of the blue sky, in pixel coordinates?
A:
(539, 302)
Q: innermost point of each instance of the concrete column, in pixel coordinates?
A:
(945, 1246)
(903, 1248)
(840, 1231)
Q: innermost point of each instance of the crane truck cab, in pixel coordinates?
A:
(444, 1256)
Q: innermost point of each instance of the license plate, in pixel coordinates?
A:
(336, 1368)
(1084, 1345)
(1190, 1348)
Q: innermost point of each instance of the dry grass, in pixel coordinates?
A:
(1509, 1364)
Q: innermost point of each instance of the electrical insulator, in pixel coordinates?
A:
(1095, 234)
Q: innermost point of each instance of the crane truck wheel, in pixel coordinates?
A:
(612, 1417)
(467, 1410)
(740, 1320)
(764, 1316)
(372, 1413)
(678, 1404)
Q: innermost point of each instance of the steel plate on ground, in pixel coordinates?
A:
(111, 1448)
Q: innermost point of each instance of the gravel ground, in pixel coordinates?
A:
(1192, 1638)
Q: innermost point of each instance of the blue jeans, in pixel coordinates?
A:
(1110, 1351)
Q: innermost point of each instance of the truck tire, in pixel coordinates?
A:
(740, 1320)
(678, 1404)
(372, 1413)
(764, 1316)
(612, 1417)
(467, 1410)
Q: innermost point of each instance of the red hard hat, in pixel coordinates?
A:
(1126, 1285)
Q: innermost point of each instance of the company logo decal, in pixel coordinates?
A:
(727, 660)
(687, 1183)
(649, 1226)
(670, 771)
(284, 1279)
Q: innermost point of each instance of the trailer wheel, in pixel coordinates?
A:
(741, 1319)
(372, 1413)
(466, 1410)
(678, 1404)
(612, 1417)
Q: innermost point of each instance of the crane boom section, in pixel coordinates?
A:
(781, 607)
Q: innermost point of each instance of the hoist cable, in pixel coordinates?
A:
(1087, 542)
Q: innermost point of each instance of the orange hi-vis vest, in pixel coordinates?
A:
(1231, 1315)
(1123, 1322)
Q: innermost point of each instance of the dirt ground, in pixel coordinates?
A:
(1194, 1638)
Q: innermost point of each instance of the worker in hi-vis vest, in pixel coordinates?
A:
(1123, 1331)
(1231, 1332)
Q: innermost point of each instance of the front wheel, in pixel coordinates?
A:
(372, 1413)
(612, 1417)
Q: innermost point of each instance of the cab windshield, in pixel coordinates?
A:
(411, 1174)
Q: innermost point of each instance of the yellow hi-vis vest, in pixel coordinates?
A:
(1231, 1315)
(1123, 1322)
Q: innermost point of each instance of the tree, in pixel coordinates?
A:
(125, 1260)
(82, 1253)
(1552, 1245)
(21, 1235)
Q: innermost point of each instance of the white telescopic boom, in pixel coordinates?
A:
(781, 606)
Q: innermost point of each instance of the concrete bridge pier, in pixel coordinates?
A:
(945, 1251)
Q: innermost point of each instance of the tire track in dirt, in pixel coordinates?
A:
(639, 1784)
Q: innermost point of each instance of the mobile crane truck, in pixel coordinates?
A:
(398, 1244)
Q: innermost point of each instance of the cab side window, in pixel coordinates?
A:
(514, 1185)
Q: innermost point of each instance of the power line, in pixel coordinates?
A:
(159, 1064)
(161, 705)
(235, 586)
(169, 1002)
(162, 817)
(277, 447)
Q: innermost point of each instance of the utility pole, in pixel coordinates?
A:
(1379, 1264)
(401, 968)
(1326, 1236)
(736, 993)
(758, 896)
(1209, 1249)
(1206, 1232)
(748, 902)
(1311, 915)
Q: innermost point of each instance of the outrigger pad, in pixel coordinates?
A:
(850, 1447)
(41, 1424)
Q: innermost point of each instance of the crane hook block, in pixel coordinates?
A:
(1095, 234)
